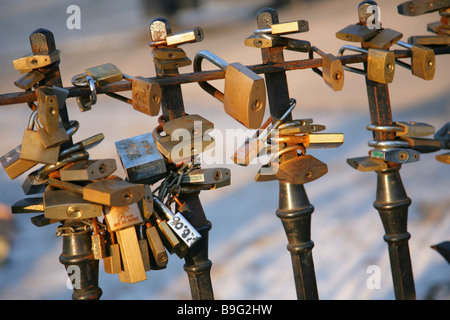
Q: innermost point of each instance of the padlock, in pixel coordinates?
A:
(332, 69)
(444, 158)
(254, 145)
(144, 248)
(32, 148)
(206, 176)
(105, 74)
(133, 265)
(68, 205)
(429, 40)
(85, 103)
(423, 61)
(122, 217)
(113, 192)
(413, 129)
(384, 39)
(28, 205)
(365, 164)
(299, 127)
(356, 33)
(146, 96)
(33, 184)
(82, 145)
(170, 64)
(178, 223)
(380, 65)
(140, 157)
(98, 242)
(244, 97)
(28, 80)
(159, 258)
(146, 204)
(42, 221)
(192, 125)
(423, 145)
(176, 151)
(13, 165)
(179, 38)
(285, 28)
(396, 155)
(261, 41)
(415, 8)
(30, 62)
(112, 263)
(50, 129)
(301, 169)
(171, 242)
(88, 170)
(168, 53)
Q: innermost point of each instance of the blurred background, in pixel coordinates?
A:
(247, 241)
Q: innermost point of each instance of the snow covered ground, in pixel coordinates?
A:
(247, 241)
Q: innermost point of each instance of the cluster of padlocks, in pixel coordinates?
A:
(134, 223)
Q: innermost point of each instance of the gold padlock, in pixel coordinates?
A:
(301, 169)
(332, 69)
(146, 96)
(384, 39)
(356, 33)
(380, 65)
(133, 265)
(195, 125)
(244, 96)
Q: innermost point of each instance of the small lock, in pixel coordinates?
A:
(68, 205)
(414, 129)
(146, 204)
(113, 192)
(88, 170)
(415, 8)
(396, 155)
(13, 165)
(159, 258)
(28, 205)
(30, 62)
(105, 74)
(140, 157)
(366, 164)
(175, 151)
(261, 41)
(356, 33)
(332, 69)
(28, 80)
(444, 158)
(163, 53)
(112, 263)
(207, 176)
(422, 145)
(133, 266)
(380, 65)
(285, 28)
(146, 96)
(193, 126)
(423, 61)
(179, 38)
(244, 97)
(98, 242)
(32, 148)
(301, 169)
(299, 127)
(122, 217)
(384, 39)
(171, 242)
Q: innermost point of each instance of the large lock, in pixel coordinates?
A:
(384, 39)
(356, 33)
(192, 125)
(140, 157)
(301, 169)
(88, 170)
(380, 65)
(159, 257)
(366, 164)
(133, 266)
(122, 217)
(32, 148)
(67, 205)
(146, 96)
(244, 96)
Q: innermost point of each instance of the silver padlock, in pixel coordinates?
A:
(207, 176)
(396, 155)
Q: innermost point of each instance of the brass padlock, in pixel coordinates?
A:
(171, 242)
(178, 38)
(133, 265)
(30, 62)
(113, 192)
(163, 53)
(384, 39)
(140, 157)
(262, 41)
(98, 242)
(206, 176)
(332, 69)
(28, 205)
(105, 74)
(192, 125)
(414, 129)
(146, 96)
(28, 80)
(285, 28)
(366, 164)
(13, 165)
(380, 65)
(301, 169)
(159, 258)
(144, 248)
(122, 217)
(32, 148)
(244, 97)
(423, 61)
(68, 205)
(444, 158)
(356, 33)
(396, 155)
(88, 170)
(112, 263)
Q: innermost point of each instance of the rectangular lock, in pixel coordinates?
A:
(423, 62)
(105, 73)
(307, 128)
(248, 151)
(384, 39)
(13, 165)
(36, 61)
(176, 151)
(380, 65)
(414, 129)
(28, 205)
(193, 126)
(356, 33)
(261, 41)
(366, 164)
(332, 72)
(170, 64)
(140, 157)
(98, 246)
(47, 109)
(159, 253)
(146, 96)
(290, 27)
(32, 149)
(396, 155)
(67, 205)
(207, 176)
(112, 263)
(133, 266)
(28, 80)
(324, 140)
(146, 204)
(444, 158)
(170, 240)
(113, 192)
(118, 218)
(188, 36)
(88, 170)
(145, 253)
(168, 53)
(423, 145)
(301, 169)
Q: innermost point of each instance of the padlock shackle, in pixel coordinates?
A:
(211, 57)
(355, 49)
(32, 120)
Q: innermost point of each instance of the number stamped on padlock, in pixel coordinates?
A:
(122, 217)
(183, 229)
